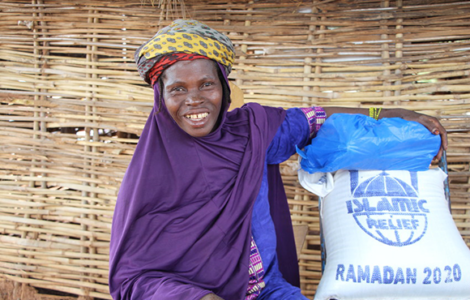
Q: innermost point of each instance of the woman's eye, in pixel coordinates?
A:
(207, 84)
(177, 89)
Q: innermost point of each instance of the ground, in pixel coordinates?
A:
(10, 290)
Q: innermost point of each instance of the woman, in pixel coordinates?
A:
(201, 213)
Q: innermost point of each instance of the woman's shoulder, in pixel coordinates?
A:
(256, 109)
(266, 119)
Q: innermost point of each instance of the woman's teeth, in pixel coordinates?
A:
(197, 116)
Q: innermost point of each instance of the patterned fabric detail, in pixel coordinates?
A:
(316, 116)
(256, 273)
(185, 36)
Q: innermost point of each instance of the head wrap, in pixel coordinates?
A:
(183, 36)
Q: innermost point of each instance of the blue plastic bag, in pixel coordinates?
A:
(359, 142)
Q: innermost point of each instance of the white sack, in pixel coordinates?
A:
(390, 235)
(318, 183)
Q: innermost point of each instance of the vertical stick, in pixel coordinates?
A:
(399, 49)
(385, 52)
(244, 47)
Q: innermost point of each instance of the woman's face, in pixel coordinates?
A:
(193, 95)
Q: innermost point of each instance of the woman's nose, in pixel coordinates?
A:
(194, 98)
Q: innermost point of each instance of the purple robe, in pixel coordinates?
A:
(182, 223)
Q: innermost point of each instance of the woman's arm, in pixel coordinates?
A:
(431, 123)
(293, 131)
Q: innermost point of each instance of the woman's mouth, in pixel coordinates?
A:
(196, 117)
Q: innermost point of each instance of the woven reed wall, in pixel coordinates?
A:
(72, 105)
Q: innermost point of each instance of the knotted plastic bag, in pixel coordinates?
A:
(359, 142)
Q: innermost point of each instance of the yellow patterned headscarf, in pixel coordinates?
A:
(185, 36)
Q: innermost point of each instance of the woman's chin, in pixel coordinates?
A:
(197, 129)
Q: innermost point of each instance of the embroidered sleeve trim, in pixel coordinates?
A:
(316, 116)
(256, 273)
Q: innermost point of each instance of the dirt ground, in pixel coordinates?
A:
(10, 290)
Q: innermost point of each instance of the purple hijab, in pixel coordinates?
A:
(182, 223)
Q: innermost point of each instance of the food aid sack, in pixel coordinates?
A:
(359, 142)
(390, 235)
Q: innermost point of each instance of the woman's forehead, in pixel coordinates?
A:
(191, 69)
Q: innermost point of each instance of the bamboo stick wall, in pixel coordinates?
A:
(72, 106)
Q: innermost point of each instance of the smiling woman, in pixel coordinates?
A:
(202, 212)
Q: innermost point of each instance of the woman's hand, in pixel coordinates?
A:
(431, 123)
(211, 297)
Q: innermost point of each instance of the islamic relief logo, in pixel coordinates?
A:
(388, 209)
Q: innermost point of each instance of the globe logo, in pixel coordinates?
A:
(388, 209)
